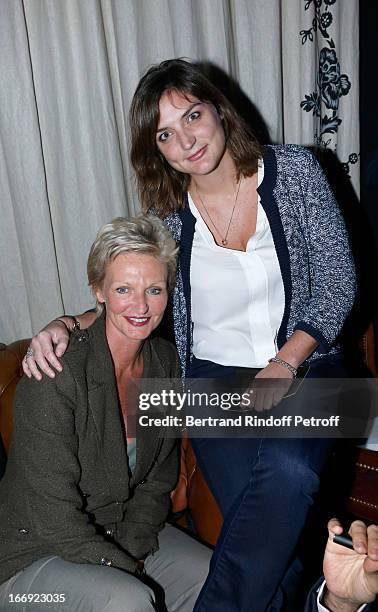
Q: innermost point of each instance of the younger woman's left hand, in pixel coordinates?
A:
(269, 387)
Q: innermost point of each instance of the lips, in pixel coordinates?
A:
(137, 321)
(198, 154)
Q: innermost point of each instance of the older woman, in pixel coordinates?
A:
(265, 282)
(81, 502)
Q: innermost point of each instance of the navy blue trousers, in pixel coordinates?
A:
(264, 488)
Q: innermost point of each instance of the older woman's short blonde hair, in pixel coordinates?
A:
(140, 234)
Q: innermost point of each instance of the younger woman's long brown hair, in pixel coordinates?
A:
(159, 185)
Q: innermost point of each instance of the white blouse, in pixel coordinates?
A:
(237, 297)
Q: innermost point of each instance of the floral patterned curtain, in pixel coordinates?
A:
(335, 75)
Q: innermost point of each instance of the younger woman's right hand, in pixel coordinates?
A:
(49, 344)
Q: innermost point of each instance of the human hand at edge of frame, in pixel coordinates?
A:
(268, 387)
(351, 575)
(47, 345)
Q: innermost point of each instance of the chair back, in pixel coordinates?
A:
(10, 373)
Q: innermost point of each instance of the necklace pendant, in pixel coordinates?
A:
(224, 240)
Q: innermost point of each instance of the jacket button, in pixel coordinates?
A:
(107, 562)
(23, 531)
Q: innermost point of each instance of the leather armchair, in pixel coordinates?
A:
(10, 373)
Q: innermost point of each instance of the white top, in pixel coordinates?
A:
(237, 297)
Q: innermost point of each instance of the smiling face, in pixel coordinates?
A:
(134, 291)
(190, 134)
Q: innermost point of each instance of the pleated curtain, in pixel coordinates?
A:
(68, 70)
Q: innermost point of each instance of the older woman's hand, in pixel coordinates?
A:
(351, 575)
(46, 346)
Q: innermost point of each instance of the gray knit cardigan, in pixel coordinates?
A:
(312, 246)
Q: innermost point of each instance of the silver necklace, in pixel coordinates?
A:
(224, 240)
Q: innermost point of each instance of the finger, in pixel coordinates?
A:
(33, 369)
(358, 533)
(43, 347)
(26, 368)
(259, 400)
(372, 534)
(277, 396)
(43, 364)
(334, 527)
(268, 400)
(60, 349)
(39, 360)
(44, 354)
(267, 388)
(51, 360)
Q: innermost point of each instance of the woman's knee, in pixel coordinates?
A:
(294, 465)
(112, 590)
(135, 596)
(86, 587)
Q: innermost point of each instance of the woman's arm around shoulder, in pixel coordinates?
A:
(51, 343)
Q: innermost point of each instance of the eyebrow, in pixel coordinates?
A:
(187, 112)
(126, 282)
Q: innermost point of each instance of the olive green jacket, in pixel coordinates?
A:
(67, 489)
